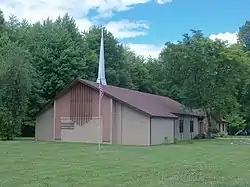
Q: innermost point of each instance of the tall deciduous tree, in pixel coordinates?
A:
(202, 73)
(115, 63)
(57, 49)
(2, 21)
(244, 35)
(15, 82)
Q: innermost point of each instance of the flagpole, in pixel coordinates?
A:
(102, 81)
(100, 121)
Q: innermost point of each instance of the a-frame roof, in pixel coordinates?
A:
(150, 104)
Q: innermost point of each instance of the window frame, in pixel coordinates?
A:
(181, 125)
(191, 124)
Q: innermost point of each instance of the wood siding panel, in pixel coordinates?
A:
(186, 135)
(161, 128)
(62, 110)
(45, 125)
(135, 127)
(81, 105)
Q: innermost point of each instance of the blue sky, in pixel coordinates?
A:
(144, 25)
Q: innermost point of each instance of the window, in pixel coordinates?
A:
(181, 126)
(223, 127)
(191, 126)
(219, 125)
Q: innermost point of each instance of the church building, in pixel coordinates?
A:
(94, 112)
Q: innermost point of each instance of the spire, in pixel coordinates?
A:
(101, 72)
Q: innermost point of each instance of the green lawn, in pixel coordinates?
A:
(203, 163)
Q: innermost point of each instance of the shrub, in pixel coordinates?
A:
(200, 136)
(222, 134)
(175, 140)
(166, 141)
(215, 131)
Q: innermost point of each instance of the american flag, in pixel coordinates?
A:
(101, 92)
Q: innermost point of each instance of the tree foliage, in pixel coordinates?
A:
(38, 60)
(244, 35)
(15, 81)
(202, 73)
(2, 21)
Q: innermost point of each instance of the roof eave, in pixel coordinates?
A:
(73, 82)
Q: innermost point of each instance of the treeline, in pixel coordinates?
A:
(38, 60)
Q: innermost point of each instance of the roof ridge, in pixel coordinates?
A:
(131, 90)
(160, 105)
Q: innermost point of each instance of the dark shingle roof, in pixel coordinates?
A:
(153, 105)
(150, 104)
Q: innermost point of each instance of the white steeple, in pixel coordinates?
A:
(101, 72)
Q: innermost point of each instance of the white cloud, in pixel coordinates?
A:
(146, 50)
(41, 9)
(127, 29)
(34, 10)
(118, 5)
(231, 38)
(37, 10)
(163, 1)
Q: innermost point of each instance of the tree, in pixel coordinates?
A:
(115, 64)
(15, 82)
(58, 55)
(2, 21)
(138, 72)
(202, 73)
(236, 122)
(244, 35)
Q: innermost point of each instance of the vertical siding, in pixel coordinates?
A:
(135, 127)
(45, 125)
(81, 104)
(161, 128)
(220, 127)
(111, 120)
(117, 125)
(176, 129)
(62, 110)
(106, 116)
(186, 135)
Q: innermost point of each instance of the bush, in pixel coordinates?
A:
(166, 141)
(175, 140)
(215, 131)
(200, 136)
(7, 127)
(222, 134)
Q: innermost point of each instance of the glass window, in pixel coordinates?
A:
(223, 127)
(191, 126)
(181, 126)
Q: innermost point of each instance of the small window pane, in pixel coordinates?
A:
(191, 126)
(181, 126)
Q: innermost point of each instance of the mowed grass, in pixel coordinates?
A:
(203, 163)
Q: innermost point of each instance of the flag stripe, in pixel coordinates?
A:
(101, 92)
